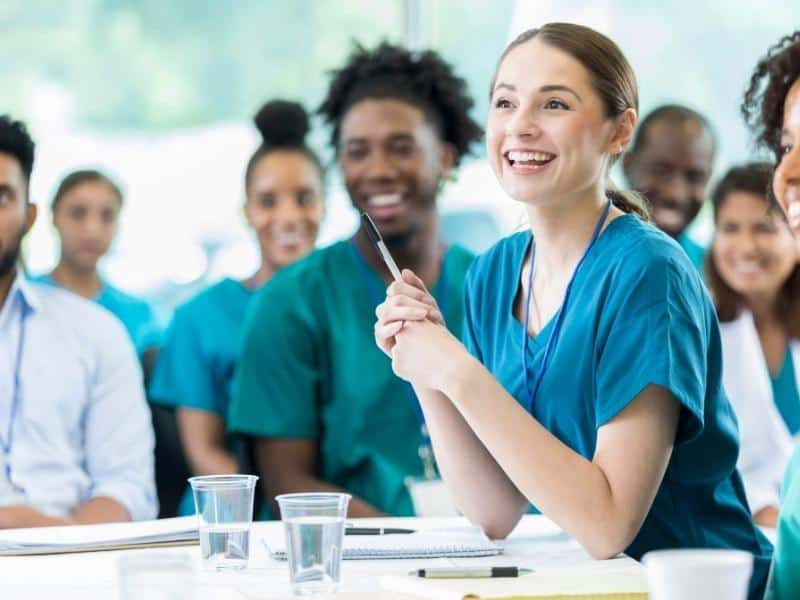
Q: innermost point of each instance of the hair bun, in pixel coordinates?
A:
(282, 123)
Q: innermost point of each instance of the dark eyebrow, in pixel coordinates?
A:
(504, 86)
(400, 136)
(560, 88)
(544, 88)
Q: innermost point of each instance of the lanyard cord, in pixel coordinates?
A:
(15, 393)
(559, 318)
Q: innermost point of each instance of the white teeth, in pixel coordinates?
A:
(385, 199)
(286, 239)
(518, 156)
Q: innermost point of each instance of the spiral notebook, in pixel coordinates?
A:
(440, 543)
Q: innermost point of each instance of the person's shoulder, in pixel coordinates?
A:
(310, 271)
(635, 246)
(638, 256)
(501, 256)
(128, 302)
(208, 300)
(76, 315)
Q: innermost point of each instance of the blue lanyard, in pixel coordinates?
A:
(6, 444)
(377, 295)
(559, 318)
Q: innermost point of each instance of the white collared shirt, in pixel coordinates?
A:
(766, 444)
(83, 427)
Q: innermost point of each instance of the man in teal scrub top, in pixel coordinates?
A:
(321, 400)
(670, 164)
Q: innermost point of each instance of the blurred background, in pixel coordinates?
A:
(160, 95)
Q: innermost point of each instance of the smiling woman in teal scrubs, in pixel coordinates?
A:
(86, 210)
(589, 384)
(194, 372)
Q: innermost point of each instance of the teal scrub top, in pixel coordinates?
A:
(197, 361)
(136, 315)
(784, 391)
(638, 315)
(694, 251)
(785, 580)
(310, 369)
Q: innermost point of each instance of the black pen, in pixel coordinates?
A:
(470, 572)
(377, 239)
(375, 530)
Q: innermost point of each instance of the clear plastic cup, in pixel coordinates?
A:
(698, 574)
(156, 575)
(314, 526)
(224, 506)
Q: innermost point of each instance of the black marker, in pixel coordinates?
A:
(470, 572)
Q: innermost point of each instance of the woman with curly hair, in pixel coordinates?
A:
(772, 107)
(321, 400)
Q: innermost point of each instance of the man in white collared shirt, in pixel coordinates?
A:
(76, 443)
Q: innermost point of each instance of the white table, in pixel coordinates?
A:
(535, 543)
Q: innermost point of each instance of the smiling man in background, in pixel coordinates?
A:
(320, 399)
(670, 164)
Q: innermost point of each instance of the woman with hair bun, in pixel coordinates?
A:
(284, 208)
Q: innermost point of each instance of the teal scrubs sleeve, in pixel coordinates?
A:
(184, 375)
(656, 335)
(276, 387)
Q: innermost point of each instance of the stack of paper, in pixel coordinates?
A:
(553, 585)
(108, 536)
(462, 542)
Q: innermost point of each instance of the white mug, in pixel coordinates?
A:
(698, 574)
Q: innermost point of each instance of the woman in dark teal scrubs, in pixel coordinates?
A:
(589, 384)
(86, 210)
(754, 279)
(772, 107)
(194, 372)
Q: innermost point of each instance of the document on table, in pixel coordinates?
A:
(437, 543)
(563, 584)
(106, 536)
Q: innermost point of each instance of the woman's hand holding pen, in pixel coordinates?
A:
(407, 300)
(410, 329)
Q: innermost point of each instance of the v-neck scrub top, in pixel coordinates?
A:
(638, 315)
(196, 364)
(310, 369)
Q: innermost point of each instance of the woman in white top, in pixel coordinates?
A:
(754, 277)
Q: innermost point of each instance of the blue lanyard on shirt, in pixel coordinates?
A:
(6, 444)
(377, 295)
(559, 318)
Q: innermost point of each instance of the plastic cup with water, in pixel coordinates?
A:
(698, 574)
(314, 527)
(224, 507)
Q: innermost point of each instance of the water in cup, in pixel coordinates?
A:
(315, 547)
(226, 546)
(314, 528)
(224, 507)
